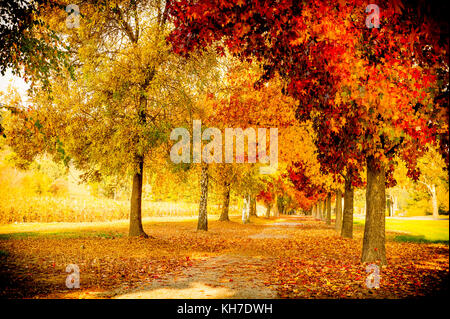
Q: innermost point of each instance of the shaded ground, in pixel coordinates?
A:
(289, 257)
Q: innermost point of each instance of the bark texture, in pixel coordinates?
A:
(374, 229)
(268, 207)
(136, 228)
(275, 211)
(246, 210)
(328, 209)
(319, 210)
(434, 202)
(347, 218)
(226, 204)
(324, 209)
(338, 223)
(203, 213)
(252, 206)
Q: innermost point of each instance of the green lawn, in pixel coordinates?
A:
(60, 235)
(427, 231)
(435, 231)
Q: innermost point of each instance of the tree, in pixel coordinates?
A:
(225, 172)
(307, 179)
(329, 60)
(242, 105)
(328, 219)
(203, 210)
(268, 199)
(432, 168)
(29, 46)
(253, 205)
(108, 123)
(338, 223)
(246, 210)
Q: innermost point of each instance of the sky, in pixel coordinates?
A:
(17, 82)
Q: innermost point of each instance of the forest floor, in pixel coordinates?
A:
(285, 257)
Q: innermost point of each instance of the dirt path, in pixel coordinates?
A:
(225, 276)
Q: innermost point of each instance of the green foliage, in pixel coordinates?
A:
(47, 166)
(418, 239)
(110, 187)
(28, 45)
(62, 235)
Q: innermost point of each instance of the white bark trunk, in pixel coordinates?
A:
(246, 210)
(434, 202)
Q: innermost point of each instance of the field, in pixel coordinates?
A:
(14, 209)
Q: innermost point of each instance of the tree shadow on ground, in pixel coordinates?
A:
(18, 281)
(418, 239)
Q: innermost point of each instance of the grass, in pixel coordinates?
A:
(61, 235)
(83, 226)
(418, 239)
(111, 229)
(404, 230)
(417, 231)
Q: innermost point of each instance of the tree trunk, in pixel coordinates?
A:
(203, 212)
(226, 204)
(324, 209)
(136, 228)
(252, 206)
(338, 224)
(389, 206)
(274, 207)
(318, 210)
(280, 205)
(394, 205)
(268, 207)
(434, 202)
(374, 230)
(328, 209)
(246, 210)
(347, 218)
